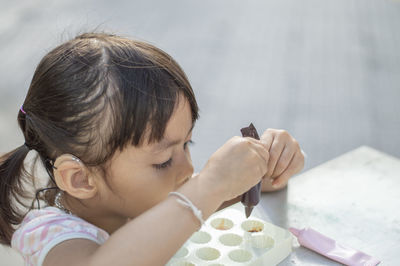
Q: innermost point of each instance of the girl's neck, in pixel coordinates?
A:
(100, 218)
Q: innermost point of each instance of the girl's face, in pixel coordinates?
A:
(141, 177)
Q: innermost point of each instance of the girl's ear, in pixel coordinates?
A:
(72, 176)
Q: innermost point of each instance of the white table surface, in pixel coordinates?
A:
(354, 199)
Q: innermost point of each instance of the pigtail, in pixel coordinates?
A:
(12, 171)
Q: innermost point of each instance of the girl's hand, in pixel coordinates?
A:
(235, 167)
(285, 160)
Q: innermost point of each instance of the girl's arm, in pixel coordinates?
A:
(150, 239)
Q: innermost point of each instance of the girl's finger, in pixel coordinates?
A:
(284, 160)
(267, 138)
(261, 151)
(295, 166)
(274, 154)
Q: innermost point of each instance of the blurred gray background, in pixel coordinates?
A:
(326, 71)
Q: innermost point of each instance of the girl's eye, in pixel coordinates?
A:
(169, 162)
(190, 142)
(163, 165)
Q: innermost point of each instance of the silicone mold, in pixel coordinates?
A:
(228, 238)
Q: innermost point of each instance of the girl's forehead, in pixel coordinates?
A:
(167, 142)
(179, 127)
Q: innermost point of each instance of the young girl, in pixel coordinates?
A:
(111, 120)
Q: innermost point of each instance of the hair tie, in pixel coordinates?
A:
(28, 146)
(22, 110)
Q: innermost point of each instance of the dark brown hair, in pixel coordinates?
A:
(90, 96)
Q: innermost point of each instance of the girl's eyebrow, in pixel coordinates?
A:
(165, 143)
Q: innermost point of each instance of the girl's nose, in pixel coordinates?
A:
(186, 167)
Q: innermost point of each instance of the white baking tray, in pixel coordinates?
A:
(225, 239)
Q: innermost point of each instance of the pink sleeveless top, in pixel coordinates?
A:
(41, 230)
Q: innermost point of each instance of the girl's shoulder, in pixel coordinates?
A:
(43, 229)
